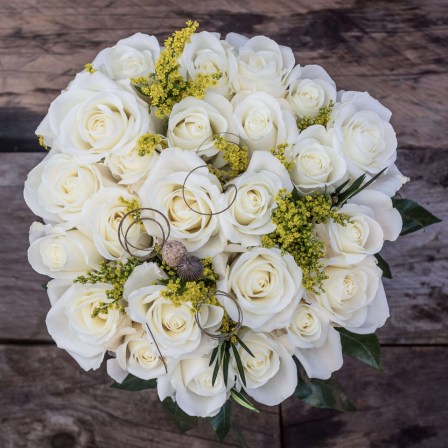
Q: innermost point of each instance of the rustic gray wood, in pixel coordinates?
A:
(404, 406)
(48, 401)
(396, 51)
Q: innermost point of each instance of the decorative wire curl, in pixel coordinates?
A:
(203, 213)
(123, 234)
(229, 334)
(205, 166)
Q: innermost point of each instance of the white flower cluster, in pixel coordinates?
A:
(93, 170)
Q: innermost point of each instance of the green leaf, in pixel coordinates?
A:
(239, 398)
(221, 422)
(414, 216)
(244, 346)
(183, 421)
(225, 366)
(134, 384)
(355, 188)
(326, 394)
(218, 364)
(363, 347)
(214, 353)
(384, 266)
(239, 364)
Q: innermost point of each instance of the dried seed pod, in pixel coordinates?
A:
(173, 252)
(190, 268)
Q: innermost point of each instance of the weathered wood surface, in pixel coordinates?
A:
(419, 262)
(81, 410)
(396, 50)
(404, 406)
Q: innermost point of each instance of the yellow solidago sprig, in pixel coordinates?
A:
(114, 273)
(237, 158)
(89, 68)
(41, 140)
(199, 292)
(295, 219)
(322, 118)
(148, 143)
(166, 86)
(131, 205)
(279, 152)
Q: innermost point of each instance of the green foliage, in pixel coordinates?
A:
(242, 400)
(295, 218)
(134, 384)
(221, 422)
(326, 394)
(414, 216)
(341, 196)
(183, 421)
(363, 347)
(384, 266)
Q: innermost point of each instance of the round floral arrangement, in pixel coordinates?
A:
(213, 214)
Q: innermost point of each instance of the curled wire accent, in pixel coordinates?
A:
(205, 166)
(203, 213)
(158, 349)
(229, 334)
(123, 234)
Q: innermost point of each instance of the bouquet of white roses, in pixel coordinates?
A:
(213, 214)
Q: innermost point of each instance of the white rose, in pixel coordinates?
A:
(262, 122)
(131, 168)
(130, 58)
(95, 117)
(271, 374)
(59, 253)
(249, 216)
(262, 64)
(193, 123)
(310, 88)
(267, 286)
(207, 54)
(101, 219)
(354, 296)
(316, 344)
(136, 355)
(386, 215)
(356, 239)
(71, 325)
(363, 133)
(162, 191)
(174, 326)
(317, 163)
(190, 384)
(57, 188)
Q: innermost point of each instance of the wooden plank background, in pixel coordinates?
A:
(395, 50)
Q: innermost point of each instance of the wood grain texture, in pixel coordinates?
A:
(395, 50)
(404, 406)
(419, 262)
(48, 401)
